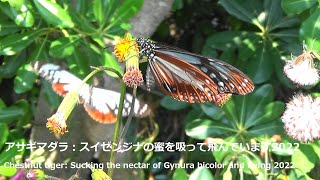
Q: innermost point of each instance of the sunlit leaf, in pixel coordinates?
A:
(180, 174)
(310, 31)
(201, 173)
(54, 14)
(63, 47)
(14, 43)
(24, 80)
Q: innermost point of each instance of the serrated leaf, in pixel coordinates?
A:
(172, 104)
(63, 47)
(12, 44)
(310, 30)
(54, 14)
(25, 79)
(296, 6)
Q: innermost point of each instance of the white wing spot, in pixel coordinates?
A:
(240, 87)
(231, 85)
(207, 81)
(221, 84)
(245, 80)
(243, 84)
(204, 69)
(223, 76)
(212, 75)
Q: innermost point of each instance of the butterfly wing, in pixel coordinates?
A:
(194, 78)
(62, 81)
(102, 105)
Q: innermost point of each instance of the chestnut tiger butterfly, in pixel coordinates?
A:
(191, 77)
(101, 104)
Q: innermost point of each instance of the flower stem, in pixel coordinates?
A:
(117, 127)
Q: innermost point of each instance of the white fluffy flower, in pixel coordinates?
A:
(301, 70)
(302, 118)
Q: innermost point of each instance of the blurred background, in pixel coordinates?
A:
(256, 36)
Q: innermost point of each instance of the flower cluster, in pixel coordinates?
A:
(301, 69)
(302, 118)
(127, 50)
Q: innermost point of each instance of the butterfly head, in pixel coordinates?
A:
(146, 47)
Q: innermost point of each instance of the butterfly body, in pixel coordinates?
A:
(101, 104)
(191, 77)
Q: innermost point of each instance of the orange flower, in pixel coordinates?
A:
(123, 47)
(57, 122)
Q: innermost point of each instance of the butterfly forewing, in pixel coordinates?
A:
(181, 80)
(190, 77)
(227, 78)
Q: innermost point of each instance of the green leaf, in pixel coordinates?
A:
(203, 128)
(201, 173)
(24, 80)
(273, 13)
(296, 6)
(212, 110)
(63, 47)
(11, 65)
(261, 64)
(8, 171)
(172, 104)
(127, 10)
(14, 43)
(109, 61)
(245, 10)
(180, 174)
(15, 3)
(7, 27)
(10, 152)
(98, 10)
(4, 132)
(310, 31)
(19, 12)
(10, 114)
(305, 154)
(54, 14)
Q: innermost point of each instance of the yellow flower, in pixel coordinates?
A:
(123, 47)
(57, 122)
